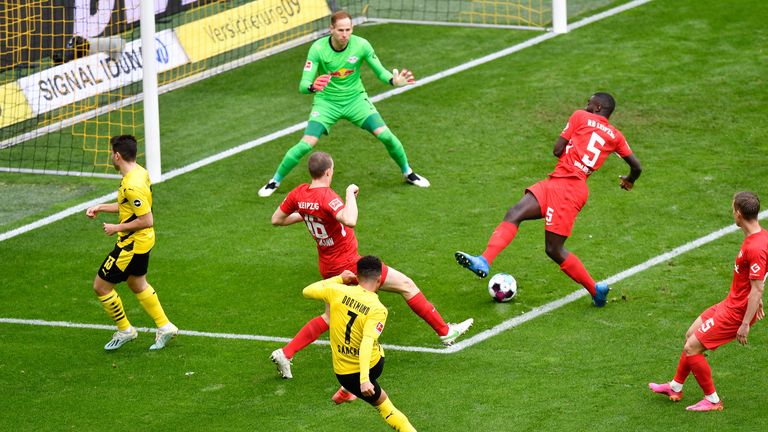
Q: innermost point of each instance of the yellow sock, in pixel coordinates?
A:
(114, 307)
(150, 302)
(394, 417)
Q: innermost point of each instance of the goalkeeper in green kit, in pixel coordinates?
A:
(332, 74)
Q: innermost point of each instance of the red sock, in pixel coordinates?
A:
(423, 308)
(573, 267)
(702, 372)
(501, 238)
(308, 334)
(682, 369)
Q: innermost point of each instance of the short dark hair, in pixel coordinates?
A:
(606, 101)
(368, 267)
(748, 204)
(126, 145)
(318, 163)
(340, 15)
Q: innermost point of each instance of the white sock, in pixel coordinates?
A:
(676, 386)
(166, 327)
(714, 398)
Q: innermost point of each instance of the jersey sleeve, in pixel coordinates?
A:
(310, 70)
(322, 290)
(758, 259)
(139, 200)
(288, 205)
(374, 325)
(570, 127)
(333, 203)
(622, 146)
(373, 61)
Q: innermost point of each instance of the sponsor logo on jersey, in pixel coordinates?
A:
(315, 114)
(335, 204)
(755, 268)
(379, 327)
(352, 60)
(308, 65)
(137, 203)
(343, 73)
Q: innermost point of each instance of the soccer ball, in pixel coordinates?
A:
(502, 287)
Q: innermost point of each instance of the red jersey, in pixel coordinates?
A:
(590, 140)
(336, 243)
(750, 265)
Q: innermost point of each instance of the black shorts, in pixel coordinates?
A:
(121, 263)
(351, 382)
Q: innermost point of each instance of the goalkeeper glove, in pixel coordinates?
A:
(402, 78)
(320, 83)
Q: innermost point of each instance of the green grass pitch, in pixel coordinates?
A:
(690, 82)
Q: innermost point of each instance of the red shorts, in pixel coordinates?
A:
(719, 325)
(329, 271)
(560, 199)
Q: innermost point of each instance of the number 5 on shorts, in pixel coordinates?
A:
(707, 325)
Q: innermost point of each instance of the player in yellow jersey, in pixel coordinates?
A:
(357, 320)
(130, 258)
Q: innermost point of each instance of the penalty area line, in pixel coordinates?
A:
(300, 126)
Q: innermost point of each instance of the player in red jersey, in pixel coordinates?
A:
(581, 149)
(731, 318)
(331, 223)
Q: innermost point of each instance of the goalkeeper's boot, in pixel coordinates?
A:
(416, 180)
(456, 330)
(476, 264)
(269, 188)
(164, 335)
(705, 405)
(601, 294)
(342, 395)
(666, 389)
(120, 338)
(283, 363)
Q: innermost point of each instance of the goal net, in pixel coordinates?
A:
(71, 70)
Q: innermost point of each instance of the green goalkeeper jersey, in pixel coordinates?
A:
(344, 67)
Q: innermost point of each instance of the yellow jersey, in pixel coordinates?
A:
(355, 313)
(134, 199)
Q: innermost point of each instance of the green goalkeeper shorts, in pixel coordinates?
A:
(360, 112)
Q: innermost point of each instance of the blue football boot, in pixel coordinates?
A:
(601, 294)
(476, 264)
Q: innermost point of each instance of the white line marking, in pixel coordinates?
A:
(300, 126)
(466, 343)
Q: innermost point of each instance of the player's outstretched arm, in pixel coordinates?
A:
(635, 169)
(402, 77)
(91, 212)
(281, 218)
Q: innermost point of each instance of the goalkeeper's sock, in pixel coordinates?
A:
(396, 419)
(395, 149)
(501, 238)
(308, 334)
(573, 267)
(291, 159)
(114, 308)
(151, 304)
(424, 309)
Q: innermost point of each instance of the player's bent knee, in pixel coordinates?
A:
(310, 139)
